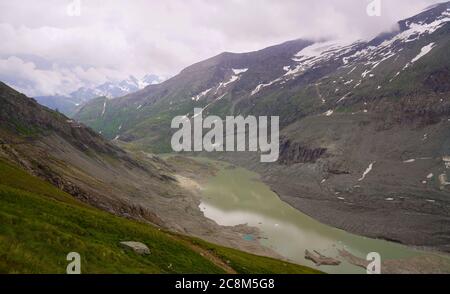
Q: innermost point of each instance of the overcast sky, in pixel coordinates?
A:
(47, 48)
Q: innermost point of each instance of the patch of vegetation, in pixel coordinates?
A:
(23, 129)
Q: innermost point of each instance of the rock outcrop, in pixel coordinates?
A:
(294, 152)
(138, 247)
(320, 259)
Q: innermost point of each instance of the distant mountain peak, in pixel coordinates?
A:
(112, 89)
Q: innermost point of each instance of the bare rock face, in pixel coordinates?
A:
(320, 259)
(294, 152)
(138, 247)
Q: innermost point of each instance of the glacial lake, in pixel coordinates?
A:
(236, 196)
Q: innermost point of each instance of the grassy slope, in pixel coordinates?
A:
(40, 225)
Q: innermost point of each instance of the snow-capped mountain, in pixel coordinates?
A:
(68, 104)
(117, 89)
(151, 79)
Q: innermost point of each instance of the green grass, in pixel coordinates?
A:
(22, 129)
(40, 225)
(240, 262)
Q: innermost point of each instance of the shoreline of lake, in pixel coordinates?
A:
(390, 250)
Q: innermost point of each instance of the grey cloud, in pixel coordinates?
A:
(112, 39)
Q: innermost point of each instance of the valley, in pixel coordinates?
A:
(364, 124)
(363, 163)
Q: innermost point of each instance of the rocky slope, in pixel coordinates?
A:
(365, 124)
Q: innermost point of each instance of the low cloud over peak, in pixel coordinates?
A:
(51, 47)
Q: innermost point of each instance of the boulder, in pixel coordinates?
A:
(320, 259)
(137, 247)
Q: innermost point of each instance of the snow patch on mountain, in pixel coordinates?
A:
(343, 97)
(320, 52)
(211, 103)
(201, 95)
(261, 86)
(366, 172)
(239, 71)
(329, 112)
(104, 108)
(224, 84)
(233, 79)
(424, 51)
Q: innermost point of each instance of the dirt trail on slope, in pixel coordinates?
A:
(213, 258)
(206, 254)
